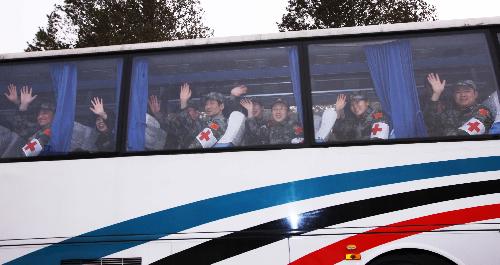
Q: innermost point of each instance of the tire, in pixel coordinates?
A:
(410, 257)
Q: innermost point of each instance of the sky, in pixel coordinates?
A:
(20, 19)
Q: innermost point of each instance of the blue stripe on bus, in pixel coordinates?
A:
(153, 226)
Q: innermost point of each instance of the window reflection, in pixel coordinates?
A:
(215, 99)
(408, 88)
(59, 108)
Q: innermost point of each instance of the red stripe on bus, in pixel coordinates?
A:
(337, 251)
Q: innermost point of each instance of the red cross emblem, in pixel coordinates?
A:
(484, 112)
(376, 129)
(473, 126)
(205, 136)
(30, 146)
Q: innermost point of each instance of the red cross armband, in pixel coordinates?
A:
(380, 130)
(206, 138)
(32, 148)
(473, 127)
(297, 140)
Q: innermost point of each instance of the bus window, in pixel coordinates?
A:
(402, 88)
(59, 108)
(494, 105)
(215, 99)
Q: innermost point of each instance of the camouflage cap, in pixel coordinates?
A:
(356, 96)
(256, 101)
(465, 83)
(280, 101)
(47, 106)
(192, 104)
(214, 96)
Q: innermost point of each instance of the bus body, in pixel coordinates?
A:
(428, 200)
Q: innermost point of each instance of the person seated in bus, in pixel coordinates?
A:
(187, 125)
(464, 117)
(104, 124)
(179, 131)
(232, 103)
(255, 125)
(363, 122)
(214, 124)
(37, 143)
(280, 129)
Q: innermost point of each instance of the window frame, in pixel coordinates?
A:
(216, 48)
(406, 35)
(302, 43)
(72, 59)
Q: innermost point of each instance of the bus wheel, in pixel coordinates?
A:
(410, 257)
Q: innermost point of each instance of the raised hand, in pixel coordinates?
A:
(26, 98)
(341, 102)
(12, 94)
(436, 85)
(98, 107)
(185, 95)
(248, 105)
(239, 90)
(154, 104)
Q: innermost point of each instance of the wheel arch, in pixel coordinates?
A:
(413, 251)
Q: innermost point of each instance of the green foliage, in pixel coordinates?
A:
(85, 23)
(321, 14)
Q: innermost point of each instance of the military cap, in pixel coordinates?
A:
(214, 96)
(465, 83)
(192, 104)
(358, 96)
(257, 101)
(47, 106)
(280, 101)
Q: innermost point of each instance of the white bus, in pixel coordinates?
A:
(367, 145)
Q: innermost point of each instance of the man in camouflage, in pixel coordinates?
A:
(366, 122)
(186, 125)
(37, 143)
(255, 125)
(464, 117)
(181, 126)
(213, 125)
(280, 129)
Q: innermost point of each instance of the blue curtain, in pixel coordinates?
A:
(138, 106)
(391, 69)
(293, 59)
(119, 72)
(64, 81)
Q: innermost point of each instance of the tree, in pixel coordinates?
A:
(87, 23)
(321, 14)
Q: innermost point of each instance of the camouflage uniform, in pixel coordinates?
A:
(105, 142)
(273, 132)
(22, 124)
(217, 125)
(256, 132)
(180, 128)
(43, 136)
(358, 128)
(285, 132)
(445, 120)
(184, 132)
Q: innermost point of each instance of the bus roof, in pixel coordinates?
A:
(290, 35)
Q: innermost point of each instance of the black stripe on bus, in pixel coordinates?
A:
(236, 243)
